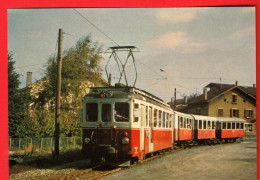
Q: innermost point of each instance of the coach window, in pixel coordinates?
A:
(190, 122)
(121, 112)
(91, 112)
(204, 125)
(150, 117)
(170, 121)
(224, 125)
(237, 126)
(228, 125)
(233, 125)
(160, 119)
(242, 125)
(155, 117)
(167, 120)
(185, 123)
(181, 122)
(163, 123)
(200, 124)
(213, 125)
(106, 112)
(146, 116)
(209, 126)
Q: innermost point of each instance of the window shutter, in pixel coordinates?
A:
(231, 113)
(252, 114)
(238, 113)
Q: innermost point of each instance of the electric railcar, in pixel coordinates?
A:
(123, 123)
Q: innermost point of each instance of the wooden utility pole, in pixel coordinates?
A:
(58, 94)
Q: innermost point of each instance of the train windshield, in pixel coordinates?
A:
(91, 112)
(121, 112)
(106, 112)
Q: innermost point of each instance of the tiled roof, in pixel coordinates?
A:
(215, 90)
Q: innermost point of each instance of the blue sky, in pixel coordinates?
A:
(194, 46)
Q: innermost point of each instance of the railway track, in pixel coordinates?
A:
(98, 171)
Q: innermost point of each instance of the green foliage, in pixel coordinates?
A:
(19, 121)
(80, 64)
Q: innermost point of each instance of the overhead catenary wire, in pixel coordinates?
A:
(29, 65)
(95, 26)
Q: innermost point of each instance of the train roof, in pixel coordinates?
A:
(220, 119)
(200, 117)
(226, 119)
(129, 90)
(182, 114)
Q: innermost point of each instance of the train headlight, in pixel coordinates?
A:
(125, 140)
(86, 140)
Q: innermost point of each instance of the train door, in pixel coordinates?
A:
(142, 128)
(150, 129)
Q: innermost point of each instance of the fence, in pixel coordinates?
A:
(44, 144)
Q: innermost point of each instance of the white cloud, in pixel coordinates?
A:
(174, 40)
(176, 15)
(34, 34)
(169, 40)
(247, 10)
(242, 33)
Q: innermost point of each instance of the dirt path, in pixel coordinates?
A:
(52, 173)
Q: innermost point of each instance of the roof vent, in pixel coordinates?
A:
(120, 85)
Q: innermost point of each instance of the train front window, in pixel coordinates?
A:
(121, 112)
(106, 112)
(91, 112)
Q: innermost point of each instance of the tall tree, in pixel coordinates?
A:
(19, 121)
(80, 69)
(13, 96)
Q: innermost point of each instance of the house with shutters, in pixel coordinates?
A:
(223, 100)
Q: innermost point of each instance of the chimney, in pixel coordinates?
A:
(205, 92)
(29, 79)
(236, 83)
(185, 100)
(254, 85)
(172, 100)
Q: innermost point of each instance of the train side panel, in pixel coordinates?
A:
(162, 139)
(206, 134)
(235, 133)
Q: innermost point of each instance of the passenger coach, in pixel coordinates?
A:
(230, 129)
(204, 129)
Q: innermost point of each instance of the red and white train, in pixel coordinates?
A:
(123, 123)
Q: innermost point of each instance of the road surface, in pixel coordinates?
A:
(226, 161)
